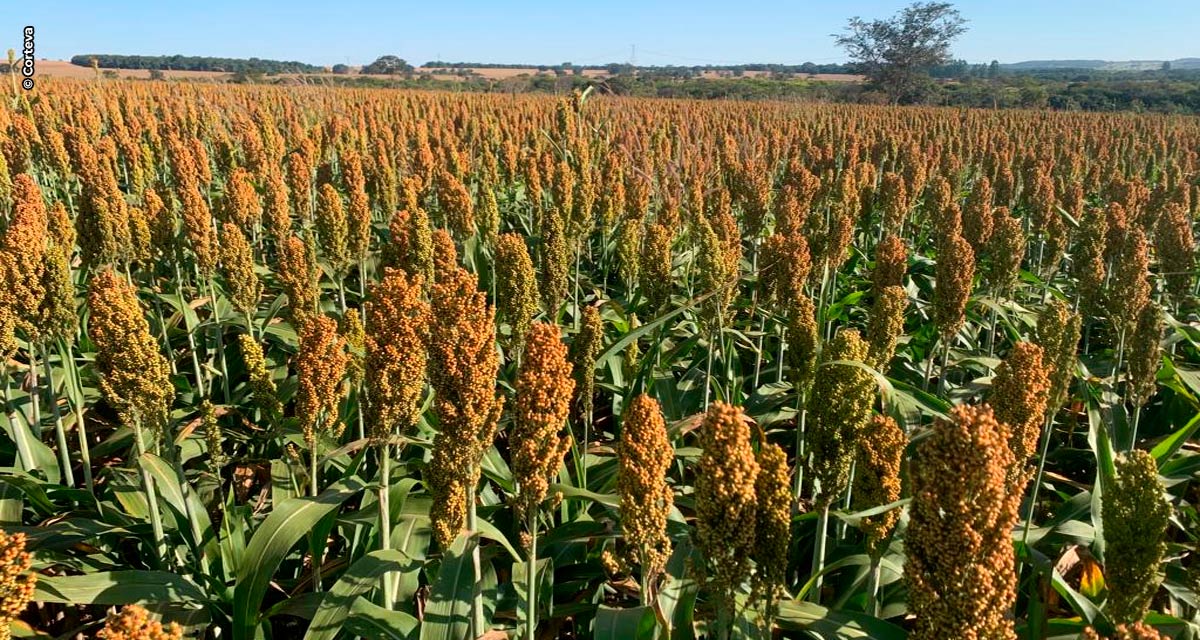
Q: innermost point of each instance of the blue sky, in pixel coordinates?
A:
(549, 32)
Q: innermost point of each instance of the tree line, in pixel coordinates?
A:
(193, 63)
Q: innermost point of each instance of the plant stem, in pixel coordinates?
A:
(212, 293)
(24, 449)
(318, 546)
(945, 365)
(478, 623)
(929, 366)
(191, 340)
(708, 370)
(85, 455)
(873, 577)
(35, 405)
(385, 519)
(575, 292)
(779, 359)
(185, 490)
(531, 577)
(166, 341)
(60, 432)
(151, 496)
(801, 414)
(1137, 418)
(1037, 481)
(758, 357)
(819, 553)
(841, 525)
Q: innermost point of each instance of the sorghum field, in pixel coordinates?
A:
(297, 362)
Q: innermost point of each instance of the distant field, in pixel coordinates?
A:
(64, 69)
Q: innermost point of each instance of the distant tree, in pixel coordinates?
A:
(896, 54)
(388, 65)
(1166, 65)
(993, 71)
(341, 69)
(157, 74)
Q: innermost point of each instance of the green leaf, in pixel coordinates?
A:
(637, 623)
(1175, 441)
(287, 524)
(677, 597)
(448, 610)
(1106, 471)
(1079, 604)
(857, 560)
(369, 620)
(619, 346)
(117, 588)
(167, 481)
(359, 579)
(545, 586)
(492, 532)
(828, 624)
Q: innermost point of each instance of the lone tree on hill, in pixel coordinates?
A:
(895, 54)
(388, 65)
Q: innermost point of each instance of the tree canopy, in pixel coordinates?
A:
(193, 63)
(896, 53)
(388, 65)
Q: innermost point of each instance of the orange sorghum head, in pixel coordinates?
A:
(396, 352)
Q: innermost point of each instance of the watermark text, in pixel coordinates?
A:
(27, 60)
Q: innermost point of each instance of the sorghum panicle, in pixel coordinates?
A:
(463, 364)
(445, 254)
(644, 457)
(1057, 333)
(1176, 250)
(133, 622)
(773, 525)
(1129, 291)
(456, 203)
(554, 261)
(891, 261)
(134, 376)
(655, 265)
(262, 386)
(1020, 391)
(537, 441)
(1136, 516)
(885, 325)
(16, 579)
(1006, 248)
(298, 278)
(1145, 353)
(333, 228)
(320, 366)
(877, 479)
(396, 353)
(841, 409)
(726, 505)
(955, 272)
(585, 347)
(961, 569)
(516, 287)
(802, 342)
(237, 267)
(354, 333)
